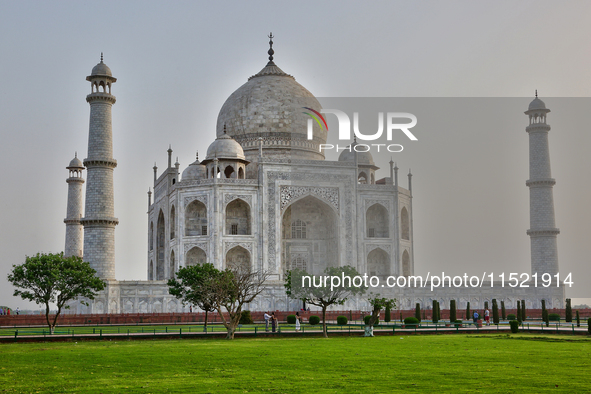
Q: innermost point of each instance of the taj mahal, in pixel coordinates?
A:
(265, 197)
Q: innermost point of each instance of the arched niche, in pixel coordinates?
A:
(195, 256)
(377, 221)
(196, 219)
(238, 218)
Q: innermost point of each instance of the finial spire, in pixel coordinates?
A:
(197, 155)
(224, 128)
(101, 57)
(271, 51)
(536, 93)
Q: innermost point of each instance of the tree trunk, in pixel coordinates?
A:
(205, 324)
(47, 318)
(324, 322)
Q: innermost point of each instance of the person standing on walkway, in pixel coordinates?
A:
(267, 317)
(273, 321)
(487, 317)
(297, 326)
(475, 317)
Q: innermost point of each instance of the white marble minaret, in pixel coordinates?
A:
(543, 231)
(99, 220)
(74, 229)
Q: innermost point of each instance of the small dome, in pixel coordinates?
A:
(363, 158)
(101, 69)
(75, 163)
(195, 170)
(536, 104)
(225, 147)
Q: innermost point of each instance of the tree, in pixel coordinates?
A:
(231, 289)
(195, 285)
(503, 311)
(299, 286)
(569, 312)
(388, 305)
(418, 311)
(452, 311)
(434, 317)
(377, 304)
(523, 314)
(578, 319)
(495, 311)
(468, 314)
(54, 279)
(519, 315)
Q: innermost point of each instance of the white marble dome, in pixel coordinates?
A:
(195, 170)
(101, 69)
(225, 147)
(536, 104)
(75, 163)
(363, 158)
(270, 107)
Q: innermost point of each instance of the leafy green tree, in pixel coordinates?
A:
(468, 314)
(388, 305)
(299, 286)
(418, 311)
(578, 319)
(503, 311)
(195, 285)
(434, 317)
(377, 304)
(54, 279)
(569, 312)
(519, 315)
(523, 314)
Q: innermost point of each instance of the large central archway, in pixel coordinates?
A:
(310, 236)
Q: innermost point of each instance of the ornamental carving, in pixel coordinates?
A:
(190, 199)
(384, 203)
(231, 197)
(273, 200)
(201, 245)
(245, 245)
(385, 247)
(328, 194)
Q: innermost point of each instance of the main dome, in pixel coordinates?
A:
(269, 107)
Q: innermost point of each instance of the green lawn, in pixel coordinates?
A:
(428, 363)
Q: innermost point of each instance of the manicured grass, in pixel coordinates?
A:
(429, 363)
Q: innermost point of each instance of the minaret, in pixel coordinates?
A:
(74, 229)
(543, 231)
(99, 221)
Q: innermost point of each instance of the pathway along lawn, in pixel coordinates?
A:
(430, 363)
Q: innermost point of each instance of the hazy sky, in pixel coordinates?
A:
(177, 62)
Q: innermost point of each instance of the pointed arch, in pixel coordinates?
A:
(378, 263)
(406, 271)
(362, 178)
(238, 258)
(228, 171)
(241, 173)
(195, 256)
(377, 220)
(238, 218)
(404, 224)
(172, 269)
(160, 230)
(172, 223)
(151, 236)
(151, 270)
(196, 219)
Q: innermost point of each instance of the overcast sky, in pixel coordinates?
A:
(177, 62)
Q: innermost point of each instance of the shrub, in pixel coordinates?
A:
(514, 326)
(245, 318)
(569, 312)
(411, 321)
(388, 314)
(291, 319)
(578, 319)
(313, 320)
(452, 310)
(553, 317)
(342, 320)
(495, 312)
(366, 320)
(511, 316)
